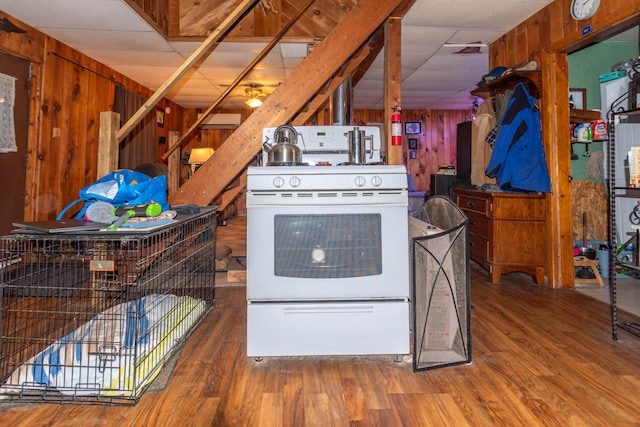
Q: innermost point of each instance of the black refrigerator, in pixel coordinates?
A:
(444, 185)
(463, 154)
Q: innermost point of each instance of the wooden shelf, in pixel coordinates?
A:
(583, 116)
(532, 79)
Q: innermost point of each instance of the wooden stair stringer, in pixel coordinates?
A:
(287, 100)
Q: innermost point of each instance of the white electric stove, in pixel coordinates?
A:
(327, 259)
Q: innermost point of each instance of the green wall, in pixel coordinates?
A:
(585, 67)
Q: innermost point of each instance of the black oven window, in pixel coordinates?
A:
(328, 246)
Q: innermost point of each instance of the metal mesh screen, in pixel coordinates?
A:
(93, 317)
(440, 282)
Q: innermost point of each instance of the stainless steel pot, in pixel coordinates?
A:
(284, 151)
(357, 146)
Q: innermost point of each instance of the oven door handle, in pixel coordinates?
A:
(329, 309)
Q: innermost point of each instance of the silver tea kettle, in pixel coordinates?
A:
(285, 150)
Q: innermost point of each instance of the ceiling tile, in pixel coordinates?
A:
(112, 33)
(131, 58)
(470, 36)
(425, 36)
(112, 15)
(433, 80)
(487, 14)
(111, 40)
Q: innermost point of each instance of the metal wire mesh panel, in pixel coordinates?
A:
(440, 281)
(93, 317)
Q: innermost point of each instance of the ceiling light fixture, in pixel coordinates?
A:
(253, 92)
(253, 102)
(475, 44)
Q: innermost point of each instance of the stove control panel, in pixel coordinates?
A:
(286, 178)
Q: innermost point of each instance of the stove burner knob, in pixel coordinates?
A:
(376, 181)
(278, 182)
(359, 181)
(294, 181)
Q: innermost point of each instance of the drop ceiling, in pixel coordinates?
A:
(434, 76)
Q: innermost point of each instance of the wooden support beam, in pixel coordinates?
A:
(203, 49)
(392, 83)
(108, 147)
(289, 98)
(554, 108)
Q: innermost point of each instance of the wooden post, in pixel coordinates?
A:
(173, 162)
(392, 83)
(108, 146)
(108, 156)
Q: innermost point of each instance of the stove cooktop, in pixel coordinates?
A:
(288, 164)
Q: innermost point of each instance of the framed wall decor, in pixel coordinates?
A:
(413, 128)
(579, 98)
(160, 117)
(412, 154)
(413, 143)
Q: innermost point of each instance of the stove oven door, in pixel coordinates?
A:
(327, 252)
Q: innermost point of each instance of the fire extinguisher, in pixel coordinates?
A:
(396, 126)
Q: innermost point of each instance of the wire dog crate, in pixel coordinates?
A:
(92, 317)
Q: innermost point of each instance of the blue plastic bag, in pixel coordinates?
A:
(122, 188)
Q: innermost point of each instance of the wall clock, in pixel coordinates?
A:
(583, 9)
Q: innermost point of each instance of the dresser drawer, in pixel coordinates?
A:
(478, 223)
(472, 204)
(478, 249)
(529, 207)
(506, 231)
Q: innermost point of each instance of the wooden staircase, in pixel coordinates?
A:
(347, 50)
(342, 49)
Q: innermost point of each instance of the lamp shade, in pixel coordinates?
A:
(200, 155)
(253, 102)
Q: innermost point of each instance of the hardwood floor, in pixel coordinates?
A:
(541, 357)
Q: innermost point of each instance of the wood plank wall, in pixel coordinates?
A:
(436, 145)
(75, 89)
(69, 90)
(198, 17)
(546, 37)
(155, 12)
(206, 138)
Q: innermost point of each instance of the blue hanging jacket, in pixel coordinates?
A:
(518, 162)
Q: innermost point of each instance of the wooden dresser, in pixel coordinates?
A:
(506, 232)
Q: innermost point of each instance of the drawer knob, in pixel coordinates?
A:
(472, 224)
(471, 204)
